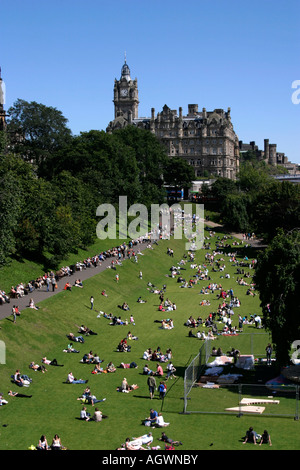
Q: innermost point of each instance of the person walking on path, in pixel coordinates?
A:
(13, 312)
(53, 282)
(269, 351)
(151, 382)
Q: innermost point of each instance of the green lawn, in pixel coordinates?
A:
(54, 407)
(24, 269)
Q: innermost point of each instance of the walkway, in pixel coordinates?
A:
(39, 295)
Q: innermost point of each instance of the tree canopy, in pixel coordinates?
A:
(277, 278)
(53, 182)
(36, 130)
(178, 173)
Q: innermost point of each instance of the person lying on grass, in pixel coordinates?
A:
(36, 367)
(125, 387)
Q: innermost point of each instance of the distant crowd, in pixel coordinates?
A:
(50, 279)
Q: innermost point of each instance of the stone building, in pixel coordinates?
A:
(269, 155)
(205, 139)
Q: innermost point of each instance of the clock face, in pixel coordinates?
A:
(124, 92)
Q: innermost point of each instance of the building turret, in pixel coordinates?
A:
(273, 156)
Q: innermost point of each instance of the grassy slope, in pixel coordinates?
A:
(24, 270)
(54, 408)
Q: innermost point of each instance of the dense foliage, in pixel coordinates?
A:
(52, 182)
(277, 278)
(258, 203)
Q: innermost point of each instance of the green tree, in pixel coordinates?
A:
(3, 142)
(178, 174)
(251, 179)
(81, 201)
(14, 172)
(277, 278)
(9, 211)
(36, 130)
(278, 207)
(235, 212)
(150, 157)
(128, 162)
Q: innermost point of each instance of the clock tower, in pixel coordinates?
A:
(126, 99)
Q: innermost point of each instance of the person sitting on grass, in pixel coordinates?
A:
(97, 369)
(251, 436)
(110, 367)
(56, 443)
(84, 415)
(160, 422)
(97, 416)
(72, 380)
(68, 286)
(265, 438)
(147, 371)
(32, 304)
(78, 283)
(21, 380)
(159, 370)
(151, 420)
(43, 444)
(125, 306)
(130, 336)
(123, 346)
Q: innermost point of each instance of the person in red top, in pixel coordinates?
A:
(159, 370)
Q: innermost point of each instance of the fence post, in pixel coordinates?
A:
(297, 404)
(240, 399)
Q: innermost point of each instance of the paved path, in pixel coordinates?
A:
(255, 242)
(41, 294)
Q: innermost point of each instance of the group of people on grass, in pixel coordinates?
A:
(224, 311)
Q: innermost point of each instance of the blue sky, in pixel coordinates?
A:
(215, 53)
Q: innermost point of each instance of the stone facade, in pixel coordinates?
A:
(269, 155)
(205, 139)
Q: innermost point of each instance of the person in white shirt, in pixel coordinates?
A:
(146, 439)
(84, 415)
(71, 379)
(160, 422)
(2, 401)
